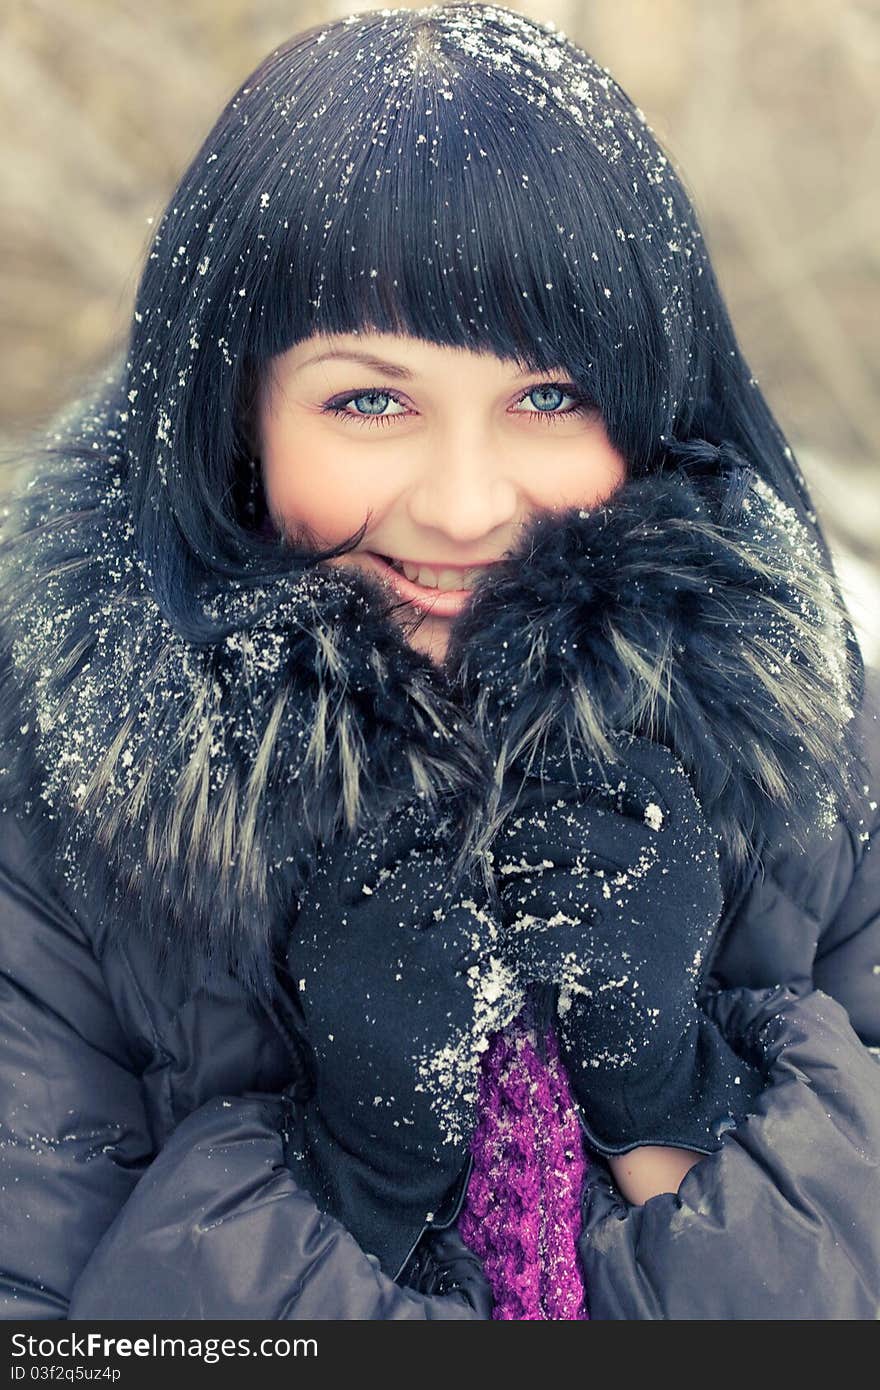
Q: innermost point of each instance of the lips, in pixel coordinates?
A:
(440, 603)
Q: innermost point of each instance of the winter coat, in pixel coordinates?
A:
(162, 800)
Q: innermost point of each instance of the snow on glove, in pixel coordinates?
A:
(383, 954)
(611, 893)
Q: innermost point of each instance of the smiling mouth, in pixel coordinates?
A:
(429, 598)
(464, 576)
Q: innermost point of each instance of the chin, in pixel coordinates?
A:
(431, 638)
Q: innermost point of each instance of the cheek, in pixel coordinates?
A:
(586, 477)
(307, 483)
(317, 497)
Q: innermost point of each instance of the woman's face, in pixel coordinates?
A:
(450, 451)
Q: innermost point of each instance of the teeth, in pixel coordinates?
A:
(442, 579)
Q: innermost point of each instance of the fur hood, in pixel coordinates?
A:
(184, 790)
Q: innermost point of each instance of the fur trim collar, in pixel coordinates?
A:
(693, 608)
(184, 790)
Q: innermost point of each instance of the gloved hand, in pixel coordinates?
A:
(443, 1264)
(386, 955)
(610, 893)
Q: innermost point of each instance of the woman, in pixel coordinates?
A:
(293, 848)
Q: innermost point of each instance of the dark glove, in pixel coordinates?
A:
(443, 1264)
(611, 893)
(385, 954)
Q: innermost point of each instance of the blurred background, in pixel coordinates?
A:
(769, 109)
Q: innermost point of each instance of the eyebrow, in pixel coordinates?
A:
(377, 363)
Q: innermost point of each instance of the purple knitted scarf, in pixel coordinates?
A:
(522, 1210)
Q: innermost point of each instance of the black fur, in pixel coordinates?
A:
(691, 608)
(184, 790)
(189, 787)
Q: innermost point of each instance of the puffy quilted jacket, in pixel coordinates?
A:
(149, 1072)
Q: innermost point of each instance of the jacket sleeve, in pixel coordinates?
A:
(782, 1222)
(97, 1224)
(74, 1136)
(217, 1228)
(847, 963)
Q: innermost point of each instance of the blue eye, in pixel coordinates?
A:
(337, 407)
(381, 397)
(554, 390)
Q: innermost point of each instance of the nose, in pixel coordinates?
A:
(464, 494)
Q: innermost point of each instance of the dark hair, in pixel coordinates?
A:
(460, 173)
